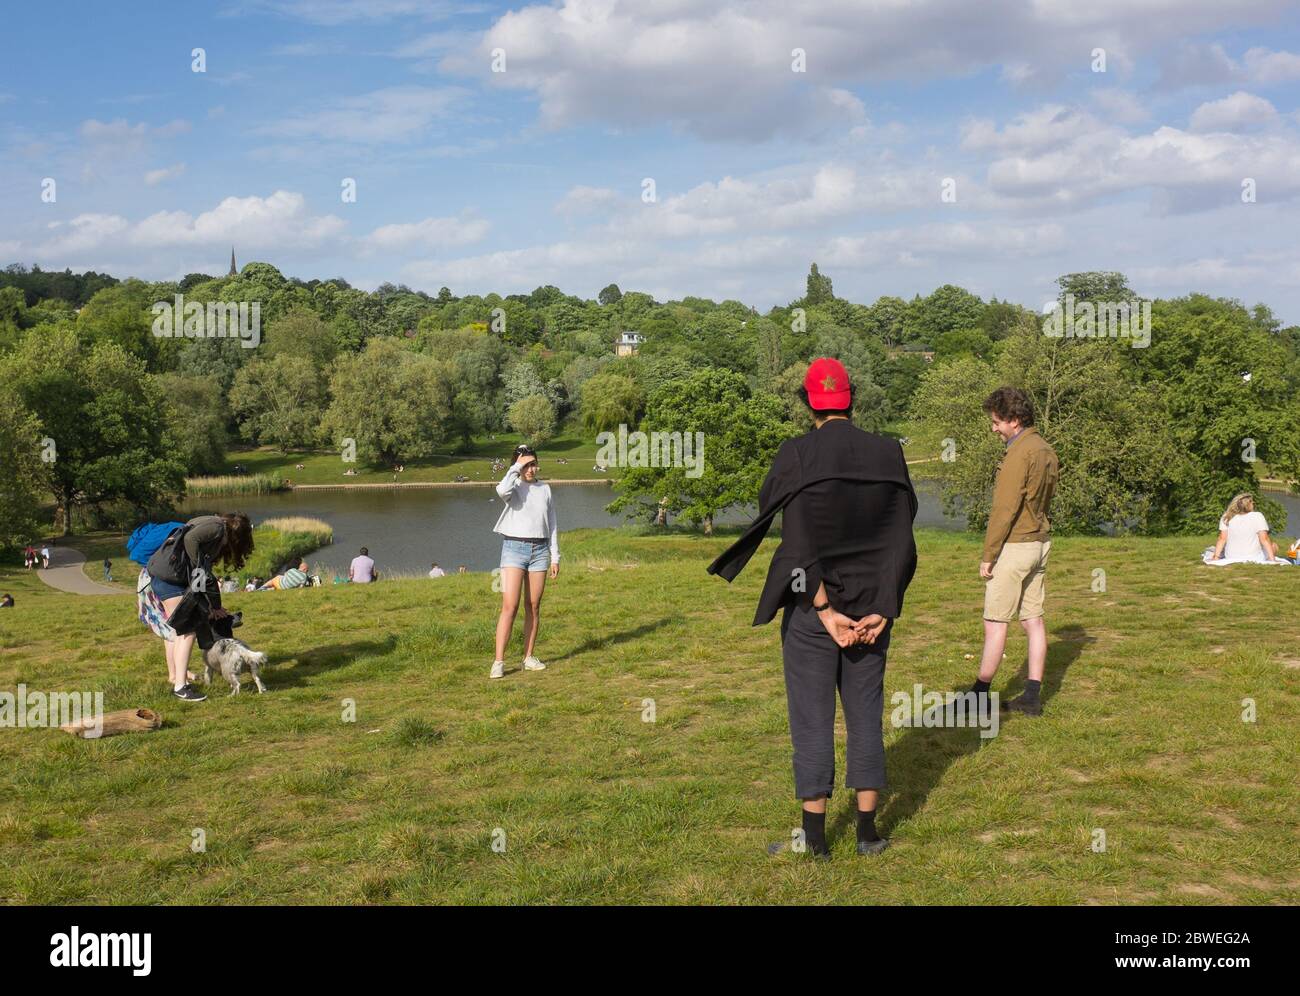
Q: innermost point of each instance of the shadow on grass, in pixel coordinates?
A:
(310, 663)
(600, 642)
(917, 761)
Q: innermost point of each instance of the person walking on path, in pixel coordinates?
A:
(1013, 563)
(530, 549)
(846, 557)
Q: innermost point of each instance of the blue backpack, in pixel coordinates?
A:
(148, 538)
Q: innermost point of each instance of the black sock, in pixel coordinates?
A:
(1030, 693)
(867, 826)
(980, 688)
(814, 831)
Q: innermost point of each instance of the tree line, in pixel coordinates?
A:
(1151, 439)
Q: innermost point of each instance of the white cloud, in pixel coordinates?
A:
(157, 176)
(722, 70)
(1267, 68)
(1121, 106)
(1067, 160)
(1239, 112)
(278, 222)
(87, 232)
(431, 233)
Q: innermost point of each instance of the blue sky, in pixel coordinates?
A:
(482, 180)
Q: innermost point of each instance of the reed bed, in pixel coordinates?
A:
(234, 484)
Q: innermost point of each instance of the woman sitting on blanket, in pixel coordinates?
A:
(1243, 536)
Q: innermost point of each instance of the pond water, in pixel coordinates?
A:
(406, 529)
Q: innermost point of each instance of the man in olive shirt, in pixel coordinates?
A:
(1016, 543)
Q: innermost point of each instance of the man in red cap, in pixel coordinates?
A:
(846, 557)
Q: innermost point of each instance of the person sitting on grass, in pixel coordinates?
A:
(362, 569)
(7, 602)
(1243, 536)
(294, 577)
(437, 572)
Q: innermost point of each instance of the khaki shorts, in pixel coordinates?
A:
(1017, 585)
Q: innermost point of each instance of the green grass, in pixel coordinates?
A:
(573, 444)
(1142, 737)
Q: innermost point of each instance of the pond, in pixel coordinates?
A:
(406, 529)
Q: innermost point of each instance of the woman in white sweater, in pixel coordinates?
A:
(530, 547)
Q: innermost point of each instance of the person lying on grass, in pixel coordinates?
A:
(294, 577)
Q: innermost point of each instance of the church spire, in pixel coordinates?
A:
(234, 271)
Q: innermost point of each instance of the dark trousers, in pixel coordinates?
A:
(815, 667)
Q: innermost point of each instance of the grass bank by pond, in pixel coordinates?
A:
(1142, 737)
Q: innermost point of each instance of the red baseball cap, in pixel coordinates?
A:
(827, 384)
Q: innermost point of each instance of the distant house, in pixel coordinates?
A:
(629, 343)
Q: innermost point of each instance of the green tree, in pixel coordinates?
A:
(610, 295)
(885, 320)
(1115, 459)
(1095, 286)
(106, 420)
(302, 332)
(740, 433)
(819, 290)
(279, 400)
(533, 418)
(196, 421)
(26, 479)
(610, 400)
(947, 309)
(394, 402)
(1223, 388)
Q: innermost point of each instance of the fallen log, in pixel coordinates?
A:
(113, 723)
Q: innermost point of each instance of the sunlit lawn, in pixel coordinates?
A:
(1142, 737)
(573, 445)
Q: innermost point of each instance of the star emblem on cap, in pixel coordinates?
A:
(829, 383)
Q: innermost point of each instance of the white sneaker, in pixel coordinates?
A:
(498, 669)
(533, 664)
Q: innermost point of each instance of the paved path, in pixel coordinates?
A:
(65, 574)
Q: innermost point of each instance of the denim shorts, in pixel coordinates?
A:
(530, 555)
(165, 589)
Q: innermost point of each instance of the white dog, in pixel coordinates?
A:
(230, 657)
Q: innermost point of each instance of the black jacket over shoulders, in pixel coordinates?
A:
(848, 505)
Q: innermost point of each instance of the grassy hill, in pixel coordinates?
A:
(1142, 737)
